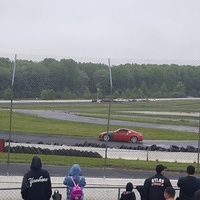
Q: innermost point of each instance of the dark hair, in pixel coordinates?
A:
(170, 191)
(129, 186)
(190, 169)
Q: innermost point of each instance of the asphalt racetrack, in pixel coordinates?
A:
(71, 141)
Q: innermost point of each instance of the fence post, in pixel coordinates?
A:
(119, 192)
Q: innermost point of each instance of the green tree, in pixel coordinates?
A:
(102, 79)
(129, 80)
(116, 94)
(48, 94)
(154, 92)
(87, 94)
(8, 94)
(144, 89)
(179, 90)
(164, 90)
(67, 94)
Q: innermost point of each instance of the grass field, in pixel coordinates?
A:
(94, 162)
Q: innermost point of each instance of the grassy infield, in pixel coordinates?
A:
(32, 124)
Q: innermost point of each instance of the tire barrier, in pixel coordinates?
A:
(61, 152)
(191, 149)
(172, 148)
(74, 152)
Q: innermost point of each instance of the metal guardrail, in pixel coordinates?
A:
(90, 192)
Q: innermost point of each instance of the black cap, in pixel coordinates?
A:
(160, 168)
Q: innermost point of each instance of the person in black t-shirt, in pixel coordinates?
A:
(188, 185)
(197, 195)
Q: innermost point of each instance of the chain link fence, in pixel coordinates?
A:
(90, 193)
(119, 92)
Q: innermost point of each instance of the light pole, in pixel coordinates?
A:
(108, 125)
(97, 95)
(11, 104)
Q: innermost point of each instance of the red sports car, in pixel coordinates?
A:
(122, 134)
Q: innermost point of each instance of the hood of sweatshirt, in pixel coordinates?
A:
(36, 163)
(75, 170)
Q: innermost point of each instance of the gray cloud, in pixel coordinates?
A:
(141, 29)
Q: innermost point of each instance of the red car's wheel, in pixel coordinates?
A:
(134, 139)
(106, 137)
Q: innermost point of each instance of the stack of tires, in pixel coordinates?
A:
(46, 151)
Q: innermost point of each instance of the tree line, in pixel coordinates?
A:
(68, 79)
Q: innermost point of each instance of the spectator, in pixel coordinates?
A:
(155, 186)
(188, 184)
(75, 173)
(36, 184)
(169, 193)
(197, 195)
(128, 194)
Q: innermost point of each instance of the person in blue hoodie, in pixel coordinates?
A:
(36, 183)
(75, 173)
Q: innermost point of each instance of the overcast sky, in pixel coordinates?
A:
(123, 29)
